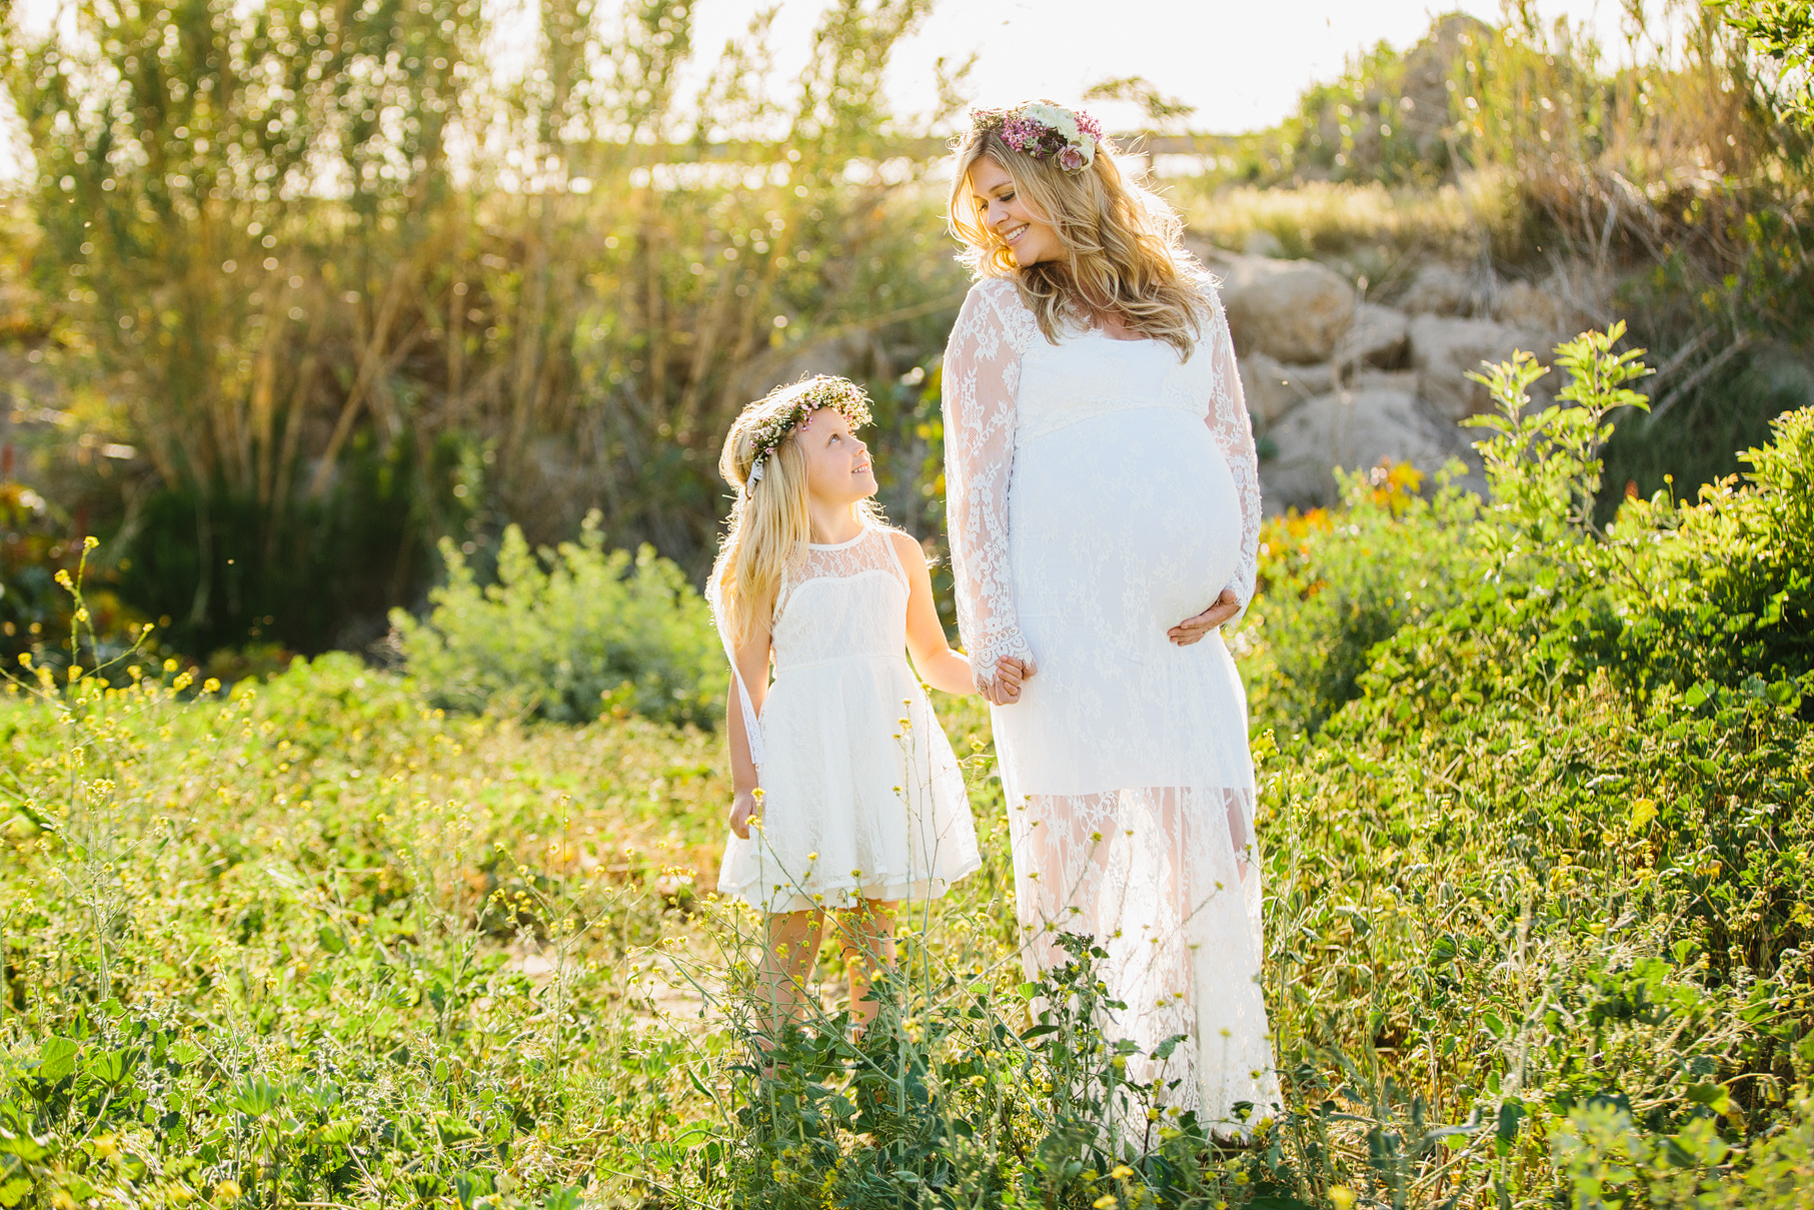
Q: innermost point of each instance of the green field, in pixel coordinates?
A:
(1536, 833)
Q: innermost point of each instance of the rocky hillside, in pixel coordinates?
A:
(1335, 379)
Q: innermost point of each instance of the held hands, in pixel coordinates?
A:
(1192, 630)
(746, 808)
(1010, 674)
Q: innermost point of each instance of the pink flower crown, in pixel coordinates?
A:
(1041, 129)
(821, 391)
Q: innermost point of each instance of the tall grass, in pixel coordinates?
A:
(349, 290)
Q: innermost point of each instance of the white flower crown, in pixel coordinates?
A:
(822, 391)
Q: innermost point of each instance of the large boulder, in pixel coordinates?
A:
(1439, 289)
(1531, 308)
(1569, 302)
(1445, 350)
(1386, 380)
(1376, 338)
(1291, 310)
(1262, 243)
(1408, 113)
(1423, 102)
(1274, 389)
(1350, 429)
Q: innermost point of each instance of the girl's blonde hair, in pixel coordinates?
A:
(770, 525)
(1123, 244)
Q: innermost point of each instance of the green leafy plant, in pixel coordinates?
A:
(568, 634)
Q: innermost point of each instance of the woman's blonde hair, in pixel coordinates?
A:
(1123, 244)
(770, 525)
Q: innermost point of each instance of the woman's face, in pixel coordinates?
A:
(999, 208)
(838, 470)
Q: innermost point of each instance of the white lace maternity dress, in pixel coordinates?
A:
(862, 795)
(1099, 493)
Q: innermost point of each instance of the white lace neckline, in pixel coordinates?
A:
(861, 534)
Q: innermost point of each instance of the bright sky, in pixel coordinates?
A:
(1242, 63)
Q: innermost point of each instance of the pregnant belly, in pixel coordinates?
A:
(1125, 525)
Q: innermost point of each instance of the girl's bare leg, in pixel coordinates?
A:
(787, 962)
(868, 935)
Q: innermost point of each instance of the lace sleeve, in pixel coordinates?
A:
(1232, 430)
(981, 378)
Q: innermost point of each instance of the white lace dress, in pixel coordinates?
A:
(862, 795)
(1100, 492)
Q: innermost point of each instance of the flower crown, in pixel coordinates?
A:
(1040, 129)
(821, 391)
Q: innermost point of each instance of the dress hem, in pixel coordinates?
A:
(842, 893)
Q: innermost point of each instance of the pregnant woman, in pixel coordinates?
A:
(1104, 514)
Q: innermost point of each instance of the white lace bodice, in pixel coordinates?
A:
(863, 614)
(846, 601)
(1006, 386)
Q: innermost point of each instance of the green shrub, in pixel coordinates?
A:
(1545, 876)
(1721, 591)
(568, 634)
(1335, 584)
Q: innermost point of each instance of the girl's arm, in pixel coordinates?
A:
(933, 659)
(752, 666)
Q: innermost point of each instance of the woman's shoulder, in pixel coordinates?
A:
(1203, 280)
(993, 290)
(992, 307)
(993, 298)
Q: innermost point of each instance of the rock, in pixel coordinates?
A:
(1375, 128)
(1423, 101)
(1292, 310)
(1386, 380)
(1440, 290)
(1525, 306)
(1273, 390)
(1350, 429)
(1562, 307)
(1444, 351)
(1375, 338)
(1262, 243)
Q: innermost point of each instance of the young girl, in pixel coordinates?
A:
(848, 796)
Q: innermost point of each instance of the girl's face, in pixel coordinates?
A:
(838, 470)
(999, 207)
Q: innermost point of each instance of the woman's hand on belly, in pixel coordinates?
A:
(1192, 630)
